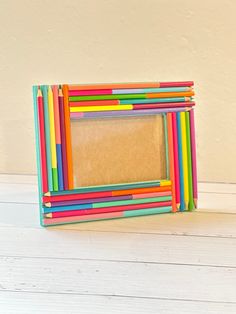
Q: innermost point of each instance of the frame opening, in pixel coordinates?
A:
(118, 150)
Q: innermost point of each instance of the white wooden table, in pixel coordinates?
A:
(170, 264)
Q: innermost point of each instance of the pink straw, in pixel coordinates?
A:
(194, 163)
(176, 159)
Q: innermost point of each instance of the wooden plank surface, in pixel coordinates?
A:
(70, 276)
(194, 223)
(51, 303)
(219, 188)
(18, 193)
(223, 202)
(114, 246)
(18, 178)
(183, 263)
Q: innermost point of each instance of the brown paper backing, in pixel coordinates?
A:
(118, 150)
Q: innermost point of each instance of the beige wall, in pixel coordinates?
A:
(81, 41)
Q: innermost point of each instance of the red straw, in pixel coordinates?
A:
(63, 139)
(177, 84)
(90, 92)
(107, 209)
(43, 158)
(176, 159)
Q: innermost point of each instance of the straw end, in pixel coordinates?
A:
(49, 215)
(60, 94)
(191, 205)
(39, 94)
(165, 183)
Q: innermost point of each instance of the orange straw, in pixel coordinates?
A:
(68, 137)
(142, 190)
(114, 86)
(167, 95)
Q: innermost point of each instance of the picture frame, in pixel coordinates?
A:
(114, 150)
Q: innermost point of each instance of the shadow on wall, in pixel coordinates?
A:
(17, 145)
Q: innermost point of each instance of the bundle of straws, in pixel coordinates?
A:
(55, 106)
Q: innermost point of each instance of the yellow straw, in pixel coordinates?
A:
(100, 108)
(52, 128)
(165, 183)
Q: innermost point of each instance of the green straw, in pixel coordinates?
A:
(106, 97)
(147, 211)
(55, 179)
(108, 187)
(132, 202)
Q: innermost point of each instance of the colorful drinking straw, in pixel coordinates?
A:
(130, 85)
(43, 156)
(128, 213)
(184, 158)
(194, 163)
(176, 159)
(52, 139)
(68, 137)
(190, 180)
(128, 91)
(105, 209)
(181, 168)
(63, 140)
(47, 135)
(58, 137)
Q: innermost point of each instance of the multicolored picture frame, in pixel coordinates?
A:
(117, 150)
